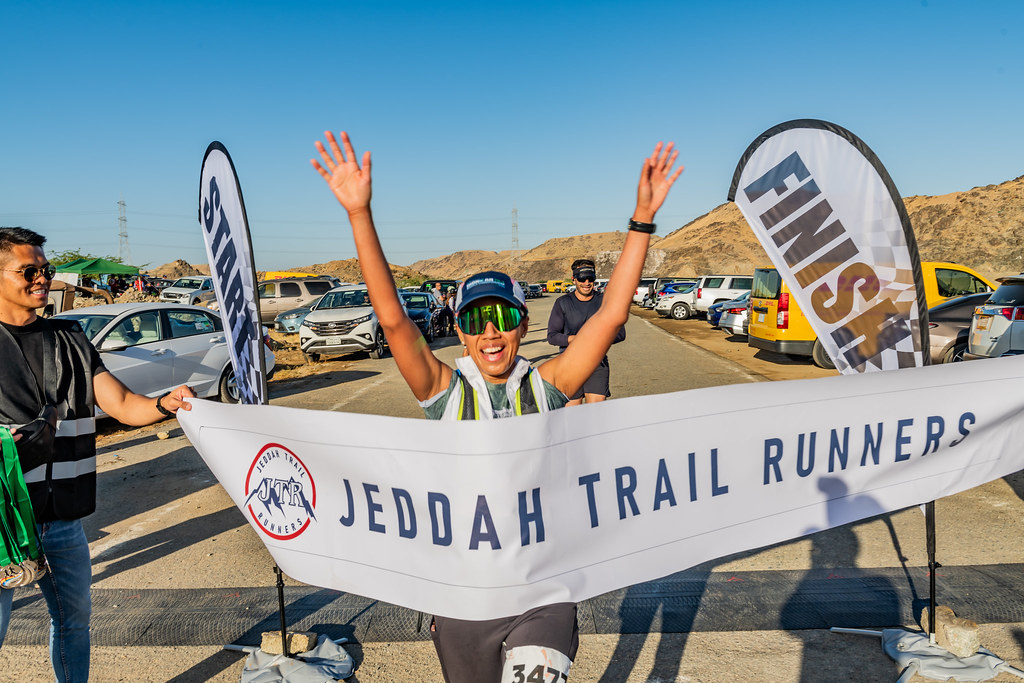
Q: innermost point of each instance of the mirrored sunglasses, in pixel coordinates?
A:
(30, 273)
(504, 317)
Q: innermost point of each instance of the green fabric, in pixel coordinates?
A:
(17, 521)
(97, 266)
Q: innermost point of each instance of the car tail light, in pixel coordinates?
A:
(738, 309)
(698, 291)
(266, 340)
(782, 320)
(1018, 313)
(1006, 312)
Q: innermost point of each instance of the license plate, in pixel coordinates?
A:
(983, 322)
(760, 317)
(332, 341)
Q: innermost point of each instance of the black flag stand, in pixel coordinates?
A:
(929, 523)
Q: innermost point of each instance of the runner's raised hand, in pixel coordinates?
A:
(656, 180)
(349, 183)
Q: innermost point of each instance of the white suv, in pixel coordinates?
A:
(997, 328)
(342, 322)
(714, 288)
(189, 290)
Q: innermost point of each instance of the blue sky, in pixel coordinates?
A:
(473, 109)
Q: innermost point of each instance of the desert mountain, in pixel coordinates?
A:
(982, 228)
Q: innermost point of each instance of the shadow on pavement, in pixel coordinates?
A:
(1016, 482)
(812, 595)
(114, 446)
(153, 546)
(125, 492)
(813, 605)
(224, 659)
(639, 614)
(301, 385)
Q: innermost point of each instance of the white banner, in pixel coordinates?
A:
(229, 253)
(824, 208)
(478, 520)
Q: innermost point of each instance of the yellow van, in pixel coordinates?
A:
(558, 285)
(777, 323)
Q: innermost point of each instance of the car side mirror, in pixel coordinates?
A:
(113, 345)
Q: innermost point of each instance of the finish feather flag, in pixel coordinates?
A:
(229, 250)
(834, 225)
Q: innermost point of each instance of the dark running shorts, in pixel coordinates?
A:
(595, 384)
(475, 651)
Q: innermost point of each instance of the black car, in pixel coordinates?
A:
(426, 311)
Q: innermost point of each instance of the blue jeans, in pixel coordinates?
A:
(66, 590)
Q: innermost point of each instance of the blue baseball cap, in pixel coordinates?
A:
(490, 283)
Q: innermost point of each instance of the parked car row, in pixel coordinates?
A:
(705, 292)
(777, 323)
(155, 347)
(964, 322)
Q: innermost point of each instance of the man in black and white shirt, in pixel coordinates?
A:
(48, 366)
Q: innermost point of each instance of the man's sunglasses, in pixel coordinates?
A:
(586, 278)
(30, 273)
(504, 317)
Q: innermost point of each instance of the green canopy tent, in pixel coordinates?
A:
(97, 266)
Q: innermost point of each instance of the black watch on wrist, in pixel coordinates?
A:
(160, 406)
(641, 227)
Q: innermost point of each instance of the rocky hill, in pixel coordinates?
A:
(549, 261)
(177, 269)
(982, 228)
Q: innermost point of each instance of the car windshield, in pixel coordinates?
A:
(350, 298)
(188, 283)
(417, 301)
(91, 324)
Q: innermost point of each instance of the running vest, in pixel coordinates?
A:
(68, 481)
(470, 400)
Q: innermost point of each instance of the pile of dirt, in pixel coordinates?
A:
(87, 301)
(177, 269)
(131, 296)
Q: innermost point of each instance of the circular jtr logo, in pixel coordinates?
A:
(279, 492)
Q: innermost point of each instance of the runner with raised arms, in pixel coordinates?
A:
(493, 381)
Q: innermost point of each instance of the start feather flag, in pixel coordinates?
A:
(833, 223)
(229, 250)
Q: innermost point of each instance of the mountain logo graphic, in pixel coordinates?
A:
(280, 495)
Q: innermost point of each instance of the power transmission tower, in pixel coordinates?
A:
(515, 233)
(123, 252)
